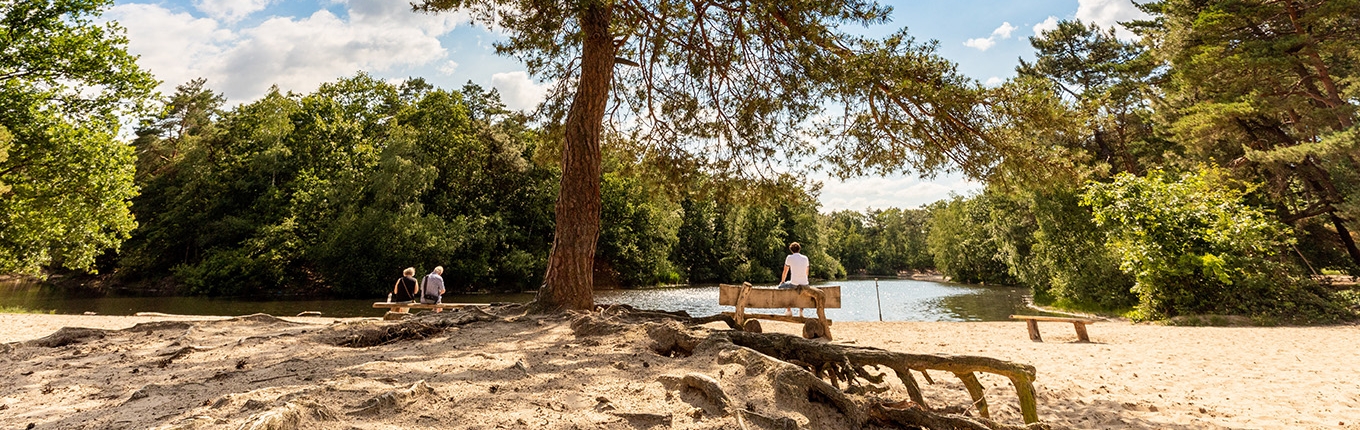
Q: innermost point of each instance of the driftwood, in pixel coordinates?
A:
(819, 369)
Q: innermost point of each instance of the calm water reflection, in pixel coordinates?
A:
(902, 300)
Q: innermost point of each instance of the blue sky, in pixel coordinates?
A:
(244, 46)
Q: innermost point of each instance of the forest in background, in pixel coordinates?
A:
(1208, 168)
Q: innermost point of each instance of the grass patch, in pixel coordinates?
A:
(23, 310)
(1089, 308)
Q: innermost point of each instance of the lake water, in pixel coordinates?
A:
(901, 300)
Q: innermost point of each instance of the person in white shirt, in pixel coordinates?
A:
(795, 272)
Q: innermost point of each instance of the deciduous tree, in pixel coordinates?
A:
(65, 179)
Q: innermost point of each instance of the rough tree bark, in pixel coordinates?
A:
(568, 282)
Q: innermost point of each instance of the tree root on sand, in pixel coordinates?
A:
(803, 370)
(68, 336)
(289, 417)
(393, 401)
(418, 327)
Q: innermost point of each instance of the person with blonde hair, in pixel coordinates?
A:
(407, 289)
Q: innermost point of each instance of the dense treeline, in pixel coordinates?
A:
(338, 190)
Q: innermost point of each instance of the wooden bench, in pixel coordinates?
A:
(1033, 322)
(746, 296)
(399, 310)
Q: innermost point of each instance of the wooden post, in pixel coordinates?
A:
(1081, 331)
(1034, 330)
(819, 298)
(743, 294)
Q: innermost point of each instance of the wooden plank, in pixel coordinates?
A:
(772, 317)
(771, 298)
(1052, 319)
(385, 305)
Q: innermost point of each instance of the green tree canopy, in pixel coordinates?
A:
(1269, 89)
(1195, 247)
(65, 179)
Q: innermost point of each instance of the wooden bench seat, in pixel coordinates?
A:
(747, 296)
(1032, 321)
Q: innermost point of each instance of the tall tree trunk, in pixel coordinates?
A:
(1346, 239)
(568, 283)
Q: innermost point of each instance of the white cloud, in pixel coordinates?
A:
(891, 191)
(994, 81)
(518, 91)
(176, 47)
(448, 68)
(983, 44)
(1109, 13)
(294, 53)
(980, 43)
(1004, 31)
(230, 10)
(1049, 24)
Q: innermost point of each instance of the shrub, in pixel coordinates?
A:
(1194, 247)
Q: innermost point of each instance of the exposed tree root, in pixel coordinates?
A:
(418, 327)
(172, 355)
(793, 383)
(702, 383)
(910, 412)
(816, 371)
(628, 313)
(67, 336)
(393, 401)
(289, 417)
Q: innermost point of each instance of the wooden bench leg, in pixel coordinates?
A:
(1081, 332)
(1033, 330)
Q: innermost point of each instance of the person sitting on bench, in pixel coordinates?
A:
(432, 293)
(796, 265)
(406, 288)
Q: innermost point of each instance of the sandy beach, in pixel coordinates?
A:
(219, 372)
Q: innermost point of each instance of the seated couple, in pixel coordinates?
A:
(407, 289)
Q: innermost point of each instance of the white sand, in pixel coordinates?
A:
(538, 374)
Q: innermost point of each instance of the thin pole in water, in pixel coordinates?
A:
(880, 300)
